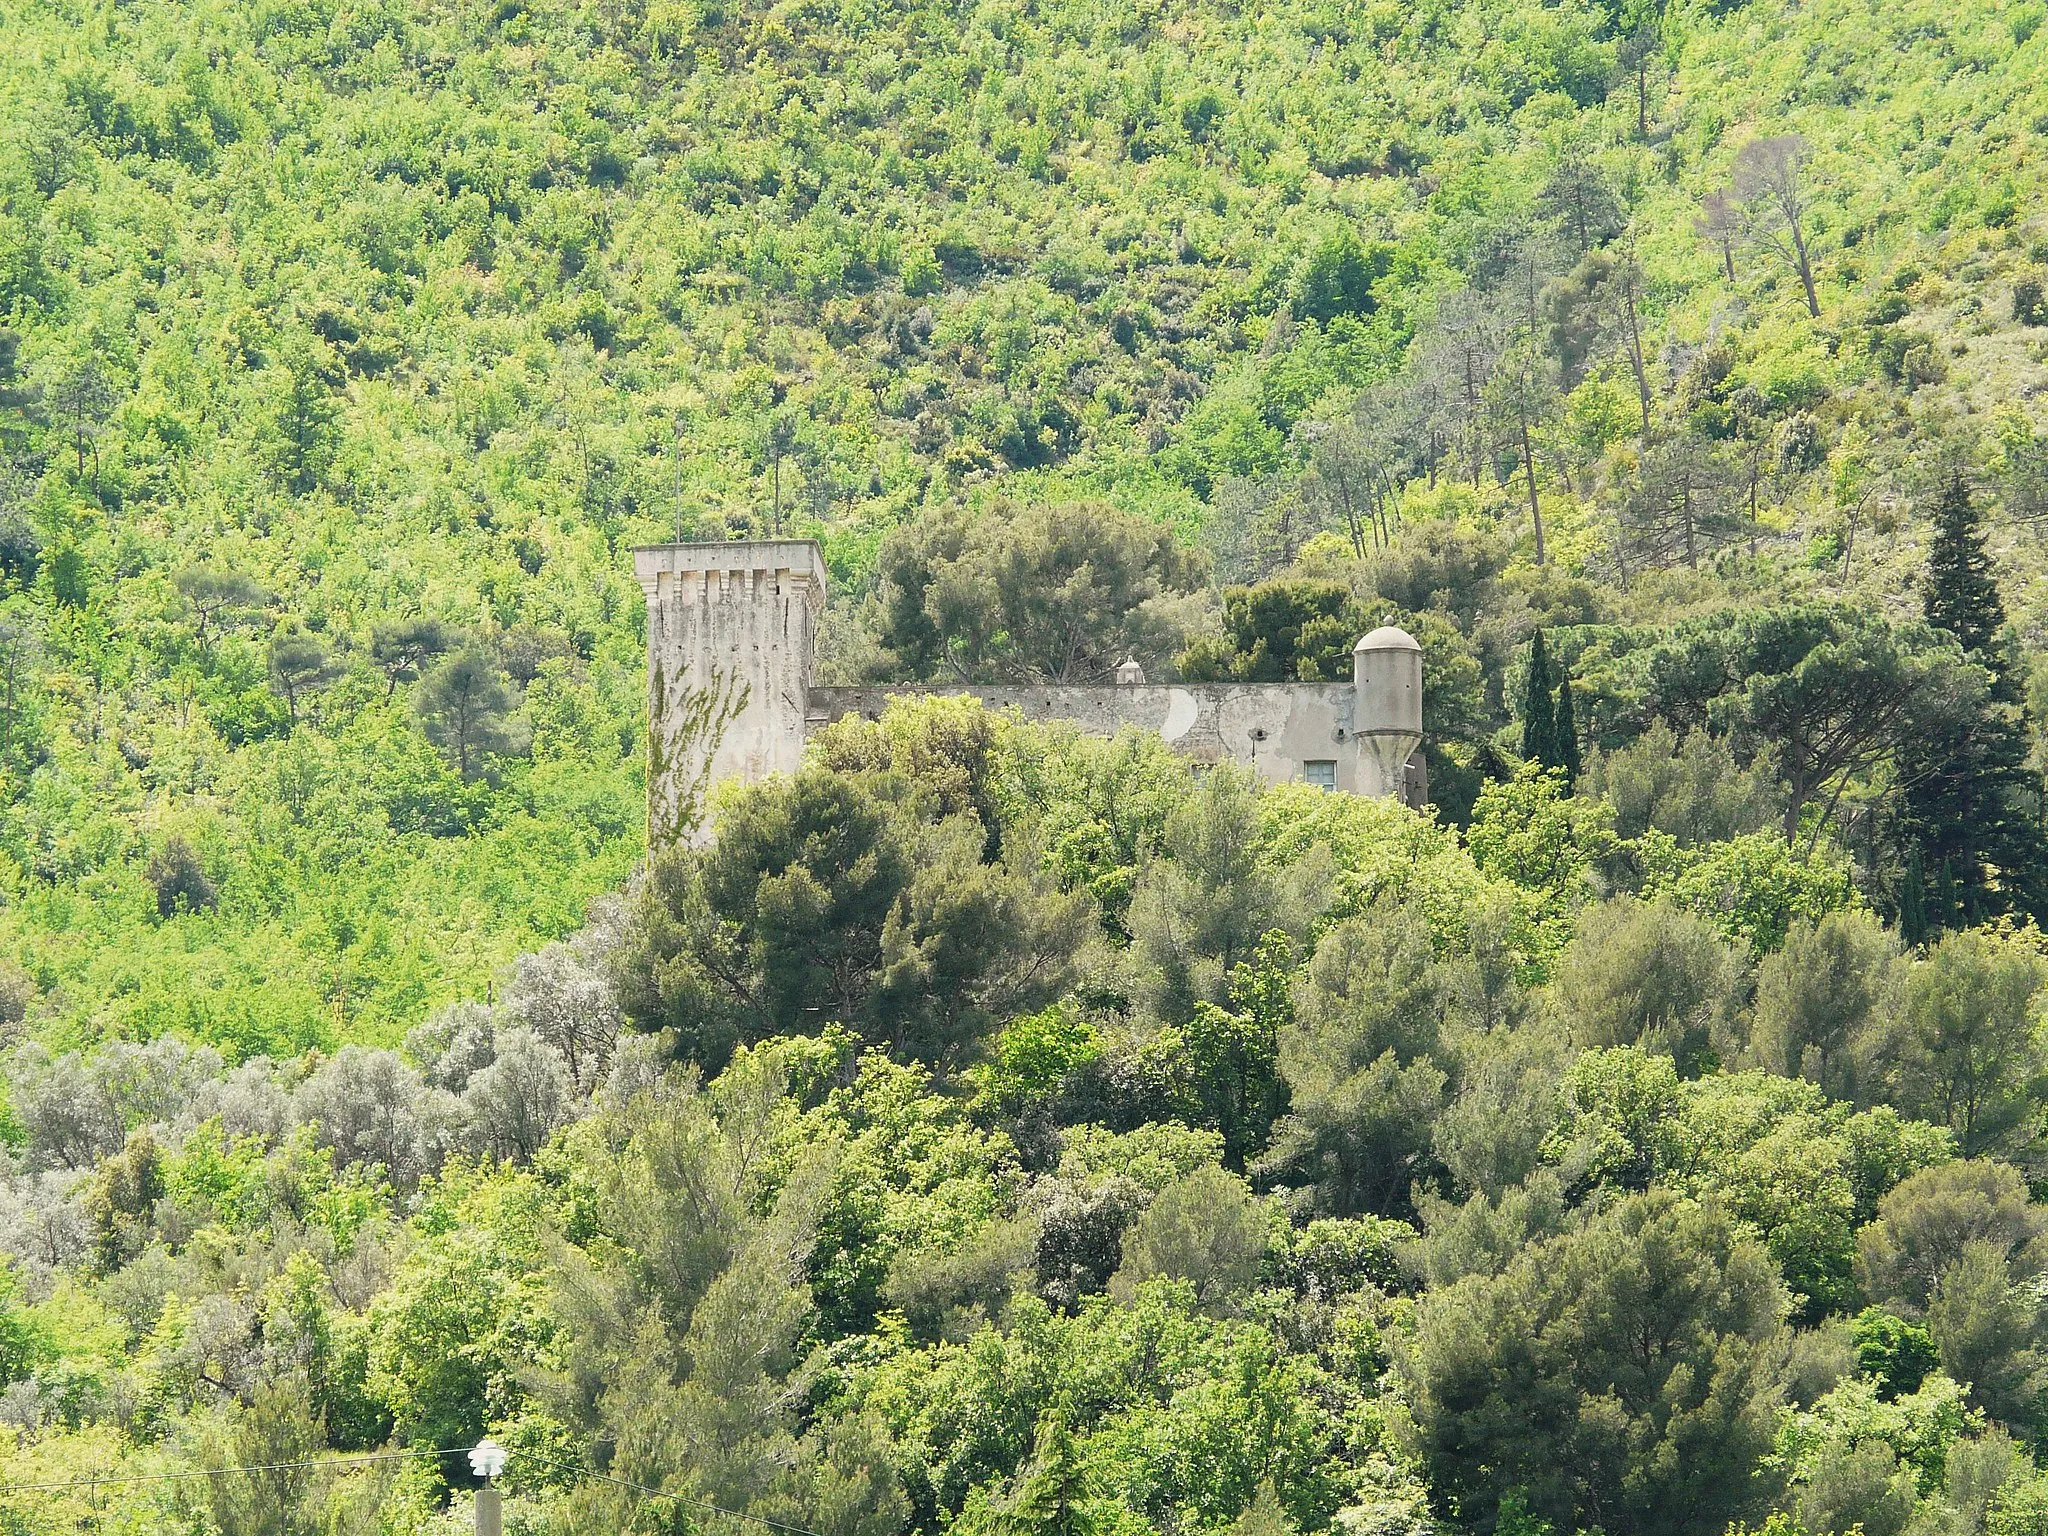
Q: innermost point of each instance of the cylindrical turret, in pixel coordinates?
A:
(1386, 679)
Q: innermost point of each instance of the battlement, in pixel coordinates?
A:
(710, 571)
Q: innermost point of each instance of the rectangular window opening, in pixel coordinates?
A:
(1321, 772)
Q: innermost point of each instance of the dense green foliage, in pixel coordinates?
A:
(864, 1170)
(993, 1128)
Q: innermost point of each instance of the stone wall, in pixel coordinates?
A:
(1282, 730)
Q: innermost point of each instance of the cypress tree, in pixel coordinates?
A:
(1950, 905)
(1539, 718)
(1913, 900)
(1566, 732)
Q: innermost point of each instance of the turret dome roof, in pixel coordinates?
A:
(1387, 637)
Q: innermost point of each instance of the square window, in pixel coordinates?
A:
(1321, 772)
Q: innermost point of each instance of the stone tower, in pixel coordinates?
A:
(730, 633)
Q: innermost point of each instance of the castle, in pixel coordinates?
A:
(731, 631)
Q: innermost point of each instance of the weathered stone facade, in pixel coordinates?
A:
(730, 632)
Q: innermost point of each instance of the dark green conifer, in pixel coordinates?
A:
(1565, 731)
(1913, 900)
(1961, 596)
(1539, 715)
(1970, 822)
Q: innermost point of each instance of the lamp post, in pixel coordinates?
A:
(487, 1460)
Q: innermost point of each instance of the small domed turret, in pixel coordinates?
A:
(1388, 637)
(1386, 681)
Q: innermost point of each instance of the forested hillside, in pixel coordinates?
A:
(994, 1129)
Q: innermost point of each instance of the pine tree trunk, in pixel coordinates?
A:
(1635, 349)
(1535, 507)
(1805, 270)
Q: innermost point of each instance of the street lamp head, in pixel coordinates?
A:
(487, 1459)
